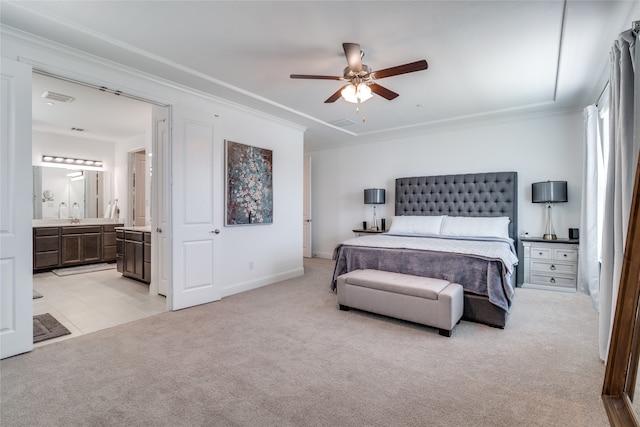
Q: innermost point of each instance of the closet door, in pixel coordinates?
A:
(16, 281)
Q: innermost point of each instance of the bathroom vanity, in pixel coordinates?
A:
(133, 255)
(63, 244)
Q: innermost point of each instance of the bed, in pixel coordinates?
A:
(456, 240)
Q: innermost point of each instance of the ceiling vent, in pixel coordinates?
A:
(53, 96)
(341, 122)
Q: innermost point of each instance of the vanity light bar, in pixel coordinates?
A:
(71, 161)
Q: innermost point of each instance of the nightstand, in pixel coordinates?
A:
(550, 264)
(360, 232)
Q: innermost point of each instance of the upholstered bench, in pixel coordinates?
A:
(432, 302)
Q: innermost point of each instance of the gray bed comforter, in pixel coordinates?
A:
(481, 269)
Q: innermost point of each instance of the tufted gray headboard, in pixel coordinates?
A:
(477, 194)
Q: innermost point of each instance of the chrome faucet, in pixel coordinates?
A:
(75, 220)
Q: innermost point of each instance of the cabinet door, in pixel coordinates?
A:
(133, 261)
(91, 247)
(71, 249)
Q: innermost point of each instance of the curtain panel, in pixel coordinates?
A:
(622, 159)
(589, 262)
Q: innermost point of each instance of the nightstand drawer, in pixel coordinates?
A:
(541, 253)
(554, 281)
(566, 254)
(554, 268)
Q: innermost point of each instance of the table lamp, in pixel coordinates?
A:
(549, 192)
(374, 196)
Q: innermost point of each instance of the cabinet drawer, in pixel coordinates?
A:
(566, 254)
(111, 227)
(46, 243)
(554, 268)
(541, 253)
(109, 253)
(120, 234)
(109, 239)
(147, 237)
(81, 230)
(46, 259)
(46, 231)
(560, 282)
(136, 236)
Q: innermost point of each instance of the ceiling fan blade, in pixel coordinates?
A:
(335, 96)
(307, 76)
(383, 91)
(400, 69)
(354, 56)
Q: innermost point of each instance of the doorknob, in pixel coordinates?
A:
(159, 230)
(216, 231)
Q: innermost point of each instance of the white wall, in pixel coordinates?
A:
(255, 255)
(539, 148)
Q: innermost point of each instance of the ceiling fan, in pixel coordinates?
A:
(361, 78)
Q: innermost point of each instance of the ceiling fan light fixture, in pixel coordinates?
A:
(356, 94)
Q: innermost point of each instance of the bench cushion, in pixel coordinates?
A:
(424, 287)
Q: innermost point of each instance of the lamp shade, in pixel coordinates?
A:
(374, 196)
(549, 192)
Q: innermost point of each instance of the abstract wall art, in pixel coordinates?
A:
(249, 177)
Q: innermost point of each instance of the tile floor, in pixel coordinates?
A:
(89, 302)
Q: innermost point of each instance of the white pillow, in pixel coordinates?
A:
(475, 226)
(416, 224)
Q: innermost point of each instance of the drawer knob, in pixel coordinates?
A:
(553, 280)
(553, 267)
(539, 253)
(565, 255)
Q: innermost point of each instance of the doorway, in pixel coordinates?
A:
(90, 123)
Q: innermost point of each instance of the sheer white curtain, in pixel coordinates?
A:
(589, 256)
(622, 159)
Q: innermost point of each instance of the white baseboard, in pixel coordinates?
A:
(323, 255)
(263, 281)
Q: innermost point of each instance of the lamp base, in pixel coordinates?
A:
(550, 237)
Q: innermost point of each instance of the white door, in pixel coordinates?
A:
(306, 216)
(16, 282)
(160, 236)
(195, 215)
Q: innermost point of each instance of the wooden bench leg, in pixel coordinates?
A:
(344, 307)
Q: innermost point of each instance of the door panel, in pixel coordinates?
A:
(195, 220)
(160, 250)
(306, 216)
(16, 243)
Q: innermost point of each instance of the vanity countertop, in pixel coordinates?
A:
(67, 222)
(146, 228)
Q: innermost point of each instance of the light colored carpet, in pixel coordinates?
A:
(284, 355)
(81, 269)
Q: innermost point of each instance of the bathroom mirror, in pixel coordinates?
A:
(60, 193)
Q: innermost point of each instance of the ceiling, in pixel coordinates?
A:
(486, 58)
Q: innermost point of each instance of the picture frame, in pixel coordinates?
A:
(249, 184)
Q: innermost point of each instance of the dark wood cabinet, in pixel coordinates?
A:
(134, 254)
(120, 251)
(81, 244)
(109, 243)
(73, 245)
(46, 247)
